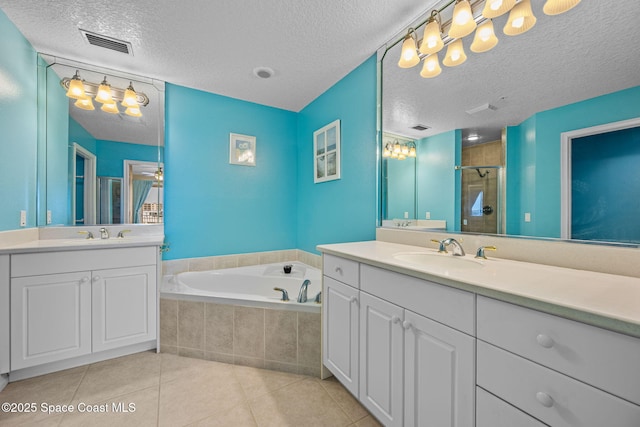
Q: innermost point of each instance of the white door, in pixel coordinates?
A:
(439, 374)
(340, 332)
(124, 306)
(50, 318)
(381, 359)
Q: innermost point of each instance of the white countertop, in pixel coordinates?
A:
(81, 243)
(605, 300)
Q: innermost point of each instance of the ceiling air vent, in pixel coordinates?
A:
(420, 127)
(107, 42)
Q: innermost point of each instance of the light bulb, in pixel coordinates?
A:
(485, 38)
(130, 99)
(104, 93)
(432, 40)
(409, 55)
(76, 87)
(455, 54)
(431, 67)
(463, 23)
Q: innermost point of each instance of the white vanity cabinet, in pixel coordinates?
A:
(415, 369)
(341, 321)
(73, 303)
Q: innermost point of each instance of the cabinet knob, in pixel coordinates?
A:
(545, 340)
(406, 324)
(96, 278)
(544, 399)
(85, 279)
(338, 270)
(395, 319)
(353, 299)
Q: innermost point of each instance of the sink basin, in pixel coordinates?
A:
(438, 260)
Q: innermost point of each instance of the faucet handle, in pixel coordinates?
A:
(442, 248)
(121, 233)
(481, 249)
(88, 233)
(285, 294)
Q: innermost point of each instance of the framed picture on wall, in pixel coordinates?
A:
(326, 153)
(242, 149)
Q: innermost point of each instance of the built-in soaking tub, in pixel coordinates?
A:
(235, 316)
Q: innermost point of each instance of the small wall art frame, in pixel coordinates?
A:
(326, 153)
(242, 149)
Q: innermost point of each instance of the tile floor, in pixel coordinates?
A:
(169, 390)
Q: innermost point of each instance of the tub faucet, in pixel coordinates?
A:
(457, 247)
(318, 298)
(302, 296)
(285, 294)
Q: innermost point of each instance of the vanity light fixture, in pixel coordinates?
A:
(105, 94)
(556, 7)
(462, 23)
(455, 54)
(521, 19)
(399, 151)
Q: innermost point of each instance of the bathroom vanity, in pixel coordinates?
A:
(422, 338)
(76, 301)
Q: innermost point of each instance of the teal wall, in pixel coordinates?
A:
(19, 124)
(438, 183)
(112, 154)
(341, 210)
(213, 207)
(401, 187)
(535, 149)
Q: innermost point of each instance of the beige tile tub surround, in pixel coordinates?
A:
(280, 340)
(168, 390)
(240, 260)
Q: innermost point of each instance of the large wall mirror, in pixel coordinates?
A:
(488, 134)
(97, 166)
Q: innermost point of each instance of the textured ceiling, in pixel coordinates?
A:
(215, 45)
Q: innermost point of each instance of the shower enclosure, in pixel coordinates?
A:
(482, 199)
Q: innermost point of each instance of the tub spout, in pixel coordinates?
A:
(302, 296)
(285, 294)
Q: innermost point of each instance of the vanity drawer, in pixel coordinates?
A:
(549, 396)
(494, 412)
(341, 269)
(450, 306)
(36, 264)
(602, 358)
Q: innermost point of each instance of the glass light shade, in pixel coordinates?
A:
(401, 156)
(104, 93)
(455, 54)
(76, 88)
(432, 40)
(431, 67)
(397, 148)
(556, 7)
(394, 155)
(462, 23)
(485, 38)
(520, 20)
(130, 99)
(85, 104)
(495, 8)
(110, 108)
(409, 55)
(412, 152)
(405, 150)
(386, 153)
(133, 112)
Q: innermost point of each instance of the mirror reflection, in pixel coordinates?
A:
(104, 157)
(569, 73)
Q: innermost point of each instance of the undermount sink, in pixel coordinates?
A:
(438, 260)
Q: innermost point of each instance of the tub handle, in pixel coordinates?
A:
(285, 294)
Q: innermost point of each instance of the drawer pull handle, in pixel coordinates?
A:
(395, 319)
(544, 399)
(545, 340)
(406, 324)
(338, 270)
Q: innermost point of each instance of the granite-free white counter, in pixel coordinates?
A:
(605, 300)
(77, 244)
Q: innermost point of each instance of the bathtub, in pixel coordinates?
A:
(247, 286)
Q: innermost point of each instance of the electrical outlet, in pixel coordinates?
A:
(427, 215)
(406, 215)
(23, 218)
(48, 217)
(527, 217)
(464, 222)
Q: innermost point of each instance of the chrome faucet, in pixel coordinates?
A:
(318, 298)
(104, 234)
(285, 294)
(302, 296)
(480, 252)
(457, 247)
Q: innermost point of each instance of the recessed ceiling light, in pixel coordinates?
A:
(473, 138)
(263, 72)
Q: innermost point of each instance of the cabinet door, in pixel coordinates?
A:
(340, 332)
(381, 350)
(50, 318)
(439, 374)
(124, 306)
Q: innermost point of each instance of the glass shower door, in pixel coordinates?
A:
(481, 199)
